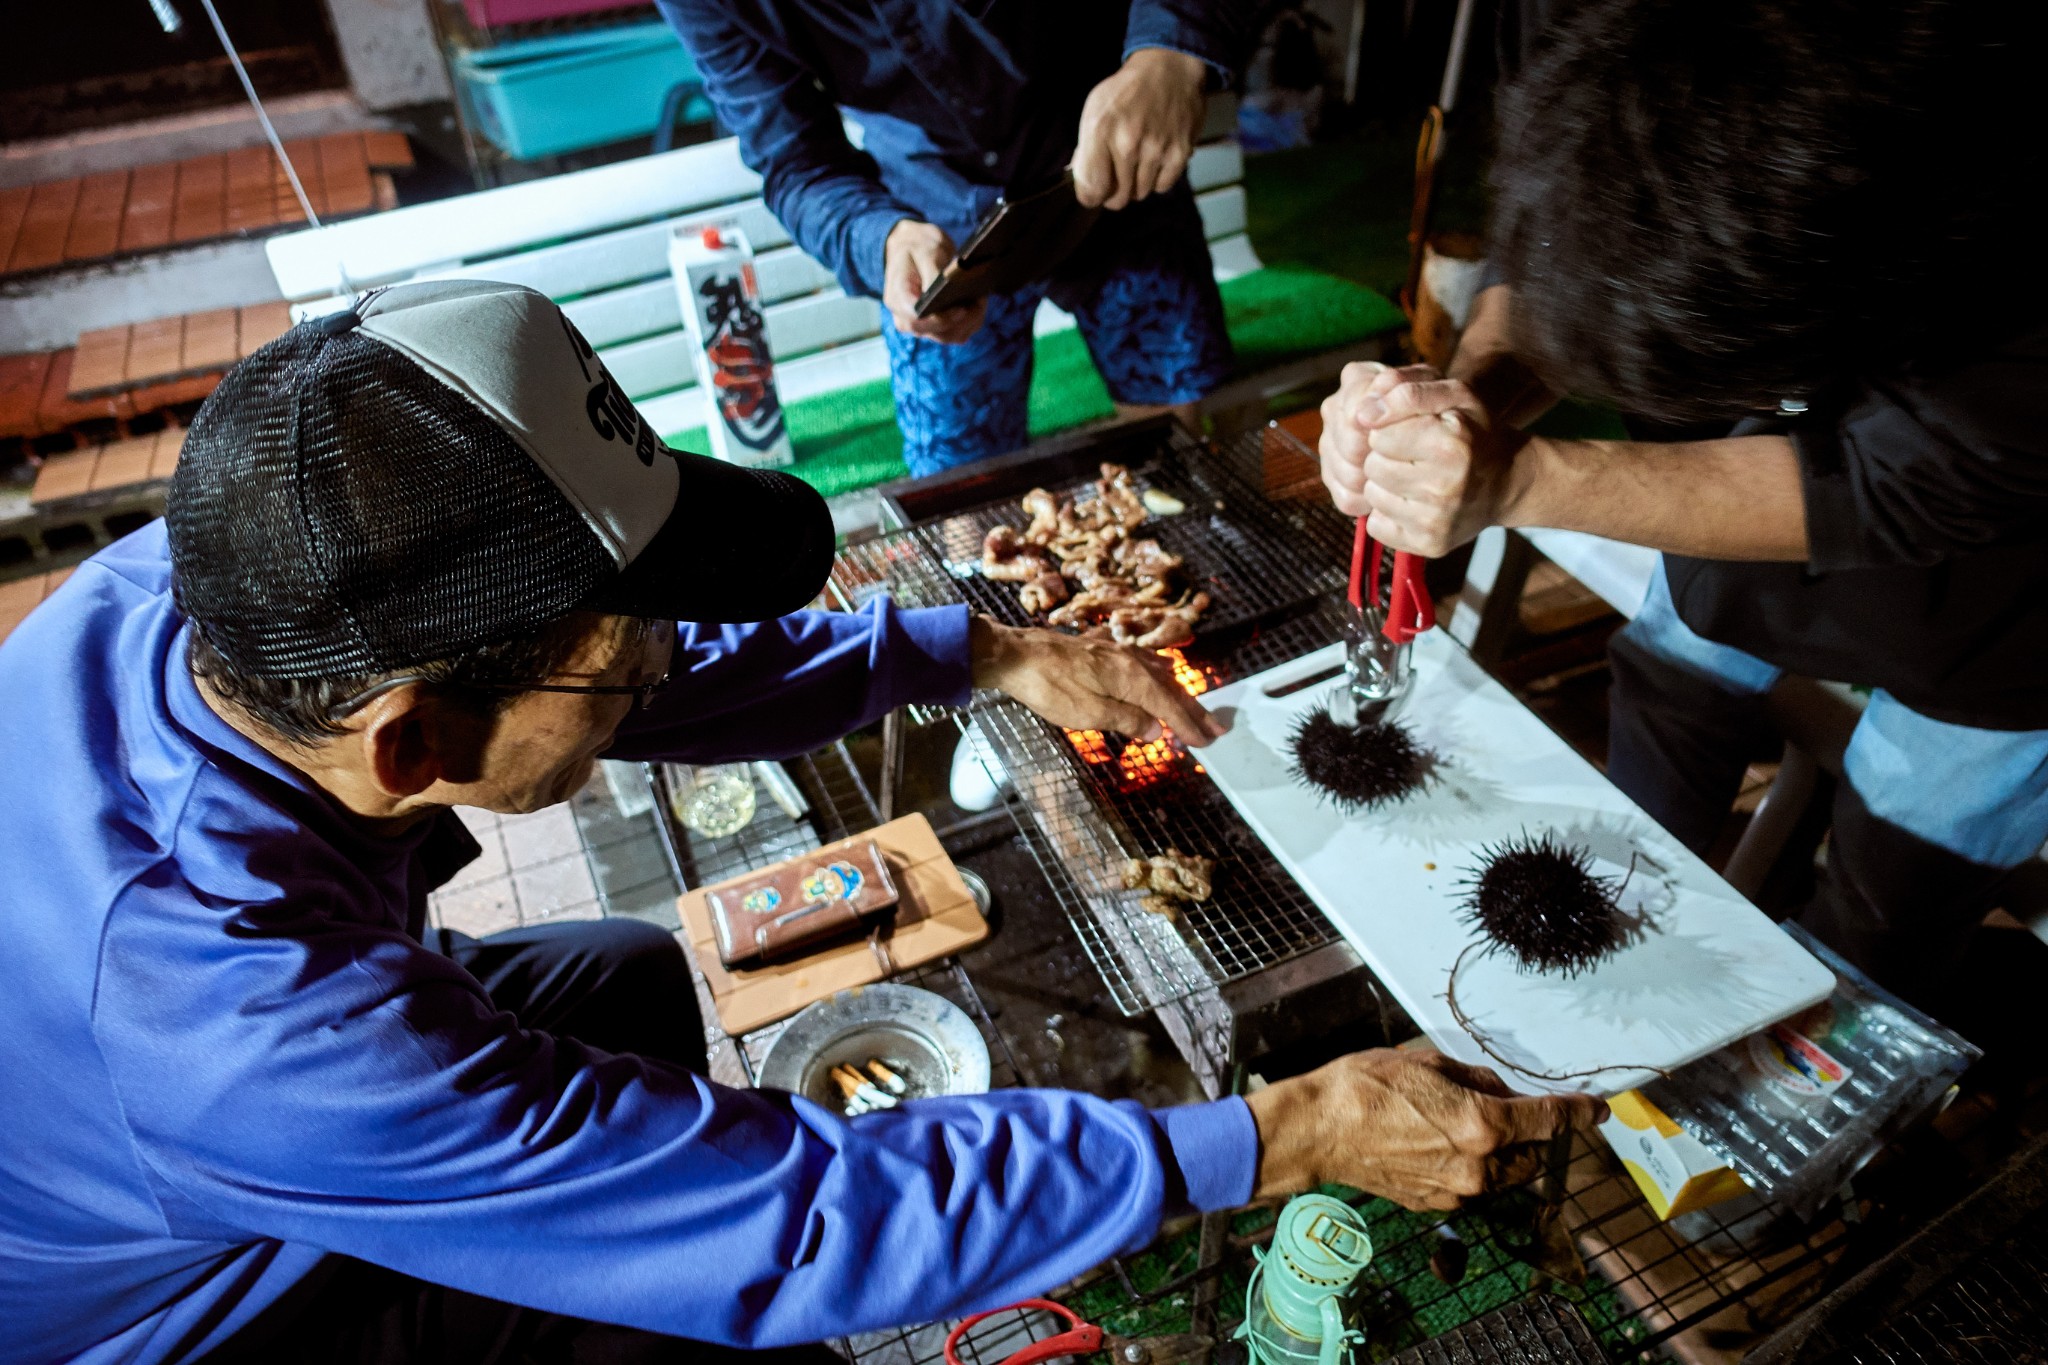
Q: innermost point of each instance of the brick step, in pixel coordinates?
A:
(143, 353)
(36, 405)
(198, 199)
(21, 596)
(88, 499)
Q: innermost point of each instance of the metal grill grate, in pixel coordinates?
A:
(1421, 1308)
(1544, 1330)
(1089, 800)
(1094, 800)
(1740, 1266)
(898, 565)
(1995, 1312)
(1256, 562)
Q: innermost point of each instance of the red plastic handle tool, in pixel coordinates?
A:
(1361, 546)
(1411, 611)
(1080, 1339)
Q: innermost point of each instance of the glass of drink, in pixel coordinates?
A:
(716, 801)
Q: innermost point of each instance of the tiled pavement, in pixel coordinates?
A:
(582, 860)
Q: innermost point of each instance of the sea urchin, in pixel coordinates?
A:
(1357, 767)
(1538, 899)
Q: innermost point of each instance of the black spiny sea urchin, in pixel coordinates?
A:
(1538, 899)
(1357, 767)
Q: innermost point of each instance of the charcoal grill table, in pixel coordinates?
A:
(1257, 970)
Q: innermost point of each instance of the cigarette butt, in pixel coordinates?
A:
(784, 792)
(875, 1098)
(855, 1108)
(895, 1084)
(848, 1080)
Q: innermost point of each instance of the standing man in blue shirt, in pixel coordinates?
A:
(425, 554)
(957, 103)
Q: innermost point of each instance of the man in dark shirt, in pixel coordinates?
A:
(1753, 214)
(956, 104)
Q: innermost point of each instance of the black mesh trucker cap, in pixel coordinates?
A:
(449, 465)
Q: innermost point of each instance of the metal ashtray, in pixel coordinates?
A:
(926, 1039)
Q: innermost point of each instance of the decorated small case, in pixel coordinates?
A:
(779, 913)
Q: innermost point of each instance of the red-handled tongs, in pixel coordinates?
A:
(1382, 629)
(1085, 1338)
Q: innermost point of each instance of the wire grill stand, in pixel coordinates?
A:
(1089, 803)
(1542, 1331)
(1669, 1286)
(1741, 1265)
(1080, 819)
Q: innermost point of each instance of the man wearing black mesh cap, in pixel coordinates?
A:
(424, 554)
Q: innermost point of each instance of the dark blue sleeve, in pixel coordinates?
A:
(1220, 32)
(1934, 462)
(785, 687)
(824, 191)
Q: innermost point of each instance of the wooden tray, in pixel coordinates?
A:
(935, 918)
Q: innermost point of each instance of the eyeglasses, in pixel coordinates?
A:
(643, 693)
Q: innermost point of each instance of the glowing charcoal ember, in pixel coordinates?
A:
(1142, 763)
(1145, 762)
(1090, 745)
(1192, 679)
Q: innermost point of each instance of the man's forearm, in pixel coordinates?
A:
(1486, 361)
(1738, 498)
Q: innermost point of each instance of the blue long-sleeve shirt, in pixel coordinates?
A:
(227, 1053)
(955, 102)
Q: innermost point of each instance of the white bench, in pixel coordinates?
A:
(596, 241)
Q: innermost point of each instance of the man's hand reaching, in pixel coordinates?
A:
(1088, 684)
(912, 257)
(1416, 1127)
(1138, 128)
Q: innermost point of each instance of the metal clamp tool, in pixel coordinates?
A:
(1379, 634)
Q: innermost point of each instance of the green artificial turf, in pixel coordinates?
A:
(1330, 222)
(849, 440)
(1341, 206)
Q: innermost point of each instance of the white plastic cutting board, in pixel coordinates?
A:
(1709, 968)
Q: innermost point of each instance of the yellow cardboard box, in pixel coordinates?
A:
(1675, 1170)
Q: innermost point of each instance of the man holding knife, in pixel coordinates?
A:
(957, 104)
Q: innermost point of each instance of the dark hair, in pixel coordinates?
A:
(1706, 207)
(300, 711)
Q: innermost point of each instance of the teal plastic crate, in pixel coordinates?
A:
(544, 96)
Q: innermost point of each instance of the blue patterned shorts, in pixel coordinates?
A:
(1144, 293)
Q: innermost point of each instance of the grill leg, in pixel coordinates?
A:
(892, 763)
(1215, 1238)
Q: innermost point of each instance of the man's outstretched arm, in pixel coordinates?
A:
(784, 687)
